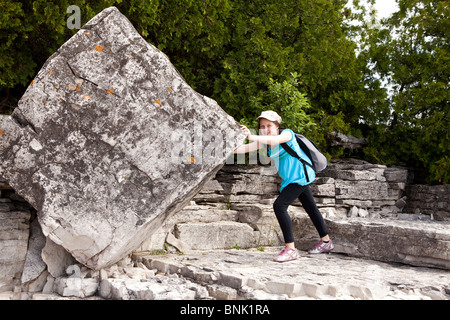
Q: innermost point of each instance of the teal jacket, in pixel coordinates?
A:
(290, 169)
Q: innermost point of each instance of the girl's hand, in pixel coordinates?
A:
(245, 130)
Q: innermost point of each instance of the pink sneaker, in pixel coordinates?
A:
(286, 255)
(322, 247)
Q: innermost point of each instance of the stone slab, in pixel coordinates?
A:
(328, 276)
(419, 243)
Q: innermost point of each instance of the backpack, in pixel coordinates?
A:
(318, 160)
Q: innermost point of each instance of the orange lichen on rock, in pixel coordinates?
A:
(158, 102)
(191, 159)
(109, 91)
(1, 132)
(98, 48)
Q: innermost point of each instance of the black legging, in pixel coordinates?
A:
(286, 197)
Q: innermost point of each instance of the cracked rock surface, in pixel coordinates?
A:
(251, 274)
(109, 140)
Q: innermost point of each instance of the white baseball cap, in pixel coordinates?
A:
(271, 116)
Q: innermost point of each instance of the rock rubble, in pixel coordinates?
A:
(245, 274)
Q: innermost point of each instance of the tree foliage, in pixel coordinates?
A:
(307, 60)
(286, 99)
(411, 52)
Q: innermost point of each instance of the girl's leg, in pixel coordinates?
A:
(308, 202)
(286, 197)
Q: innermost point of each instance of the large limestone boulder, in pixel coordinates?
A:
(109, 140)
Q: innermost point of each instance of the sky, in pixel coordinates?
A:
(385, 8)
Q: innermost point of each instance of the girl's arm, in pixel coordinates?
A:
(249, 147)
(245, 148)
(285, 136)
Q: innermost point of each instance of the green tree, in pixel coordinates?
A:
(225, 49)
(271, 40)
(411, 51)
(304, 59)
(286, 99)
(30, 31)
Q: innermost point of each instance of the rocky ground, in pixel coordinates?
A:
(250, 274)
(235, 210)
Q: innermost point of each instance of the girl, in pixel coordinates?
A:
(293, 183)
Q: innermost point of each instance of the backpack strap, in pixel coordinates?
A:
(295, 155)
